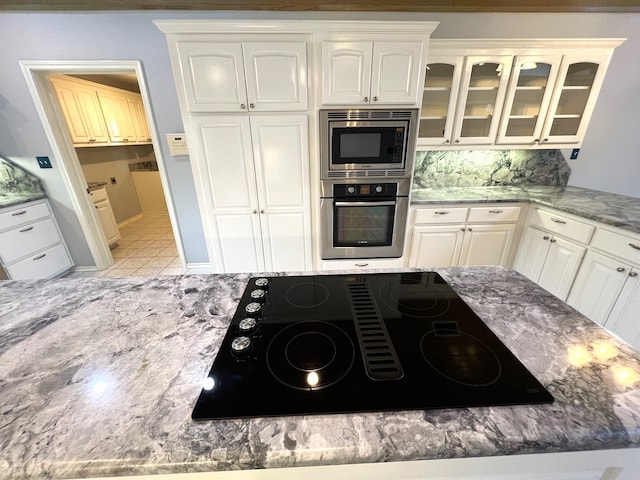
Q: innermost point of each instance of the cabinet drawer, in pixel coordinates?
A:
(573, 229)
(494, 214)
(99, 195)
(48, 263)
(24, 214)
(440, 215)
(26, 239)
(363, 264)
(618, 245)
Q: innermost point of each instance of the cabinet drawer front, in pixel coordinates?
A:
(24, 214)
(573, 229)
(440, 215)
(494, 214)
(99, 195)
(48, 263)
(363, 264)
(23, 240)
(617, 244)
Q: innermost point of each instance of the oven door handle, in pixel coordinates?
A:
(365, 204)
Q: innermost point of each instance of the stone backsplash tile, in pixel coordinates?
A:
(16, 181)
(478, 168)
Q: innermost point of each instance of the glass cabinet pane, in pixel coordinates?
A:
(573, 99)
(533, 79)
(481, 99)
(436, 100)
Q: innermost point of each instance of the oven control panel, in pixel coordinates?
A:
(365, 190)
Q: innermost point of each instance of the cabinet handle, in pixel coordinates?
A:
(620, 269)
(26, 229)
(243, 106)
(92, 140)
(21, 212)
(442, 212)
(633, 274)
(496, 211)
(42, 255)
(553, 240)
(375, 99)
(546, 237)
(366, 99)
(633, 245)
(557, 220)
(457, 141)
(361, 264)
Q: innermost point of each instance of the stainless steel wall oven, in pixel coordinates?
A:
(363, 220)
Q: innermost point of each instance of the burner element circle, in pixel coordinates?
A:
(414, 299)
(460, 357)
(310, 355)
(307, 295)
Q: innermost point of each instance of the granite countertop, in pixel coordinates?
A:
(617, 210)
(11, 199)
(98, 377)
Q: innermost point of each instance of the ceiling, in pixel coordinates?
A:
(330, 5)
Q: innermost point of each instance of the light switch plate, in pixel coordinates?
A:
(177, 144)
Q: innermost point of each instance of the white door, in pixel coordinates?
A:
(439, 96)
(92, 114)
(487, 244)
(212, 76)
(140, 125)
(346, 72)
(436, 246)
(108, 222)
(597, 286)
(574, 98)
(224, 167)
(276, 76)
(482, 92)
(395, 72)
(623, 319)
(281, 156)
(117, 116)
(528, 97)
(561, 266)
(532, 253)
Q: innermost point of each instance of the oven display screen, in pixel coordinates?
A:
(359, 145)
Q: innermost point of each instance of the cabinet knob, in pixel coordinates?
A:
(261, 211)
(243, 106)
(546, 139)
(251, 105)
(633, 274)
(447, 141)
(546, 237)
(553, 240)
(620, 269)
(375, 99)
(255, 211)
(470, 229)
(537, 140)
(366, 99)
(457, 140)
(462, 228)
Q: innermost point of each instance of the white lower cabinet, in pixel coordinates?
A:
(254, 191)
(607, 288)
(31, 245)
(105, 215)
(440, 240)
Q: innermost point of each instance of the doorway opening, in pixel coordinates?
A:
(142, 238)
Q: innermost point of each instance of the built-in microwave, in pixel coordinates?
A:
(361, 143)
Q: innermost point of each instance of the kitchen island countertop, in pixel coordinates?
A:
(616, 210)
(98, 377)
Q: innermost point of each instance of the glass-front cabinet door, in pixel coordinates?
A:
(441, 86)
(483, 89)
(528, 96)
(579, 83)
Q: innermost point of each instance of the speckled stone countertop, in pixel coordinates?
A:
(11, 199)
(98, 377)
(617, 210)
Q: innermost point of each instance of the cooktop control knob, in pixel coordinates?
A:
(253, 309)
(247, 325)
(378, 188)
(262, 283)
(258, 295)
(240, 345)
(351, 189)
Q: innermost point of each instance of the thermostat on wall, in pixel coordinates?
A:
(177, 144)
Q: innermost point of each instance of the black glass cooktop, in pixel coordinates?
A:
(358, 343)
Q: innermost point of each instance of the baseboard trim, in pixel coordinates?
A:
(198, 268)
(129, 220)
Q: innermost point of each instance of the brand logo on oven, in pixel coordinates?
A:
(363, 242)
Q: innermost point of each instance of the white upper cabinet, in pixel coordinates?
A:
(371, 72)
(505, 93)
(244, 76)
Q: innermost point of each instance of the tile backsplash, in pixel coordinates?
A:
(477, 168)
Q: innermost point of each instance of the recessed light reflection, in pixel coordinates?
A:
(579, 356)
(625, 376)
(312, 379)
(208, 383)
(100, 387)
(604, 350)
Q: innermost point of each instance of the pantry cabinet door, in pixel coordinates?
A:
(346, 72)
(487, 244)
(224, 168)
(597, 286)
(276, 76)
(281, 158)
(395, 72)
(623, 320)
(212, 76)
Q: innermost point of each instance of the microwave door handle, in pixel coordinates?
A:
(364, 204)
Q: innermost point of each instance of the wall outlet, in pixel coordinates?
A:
(44, 162)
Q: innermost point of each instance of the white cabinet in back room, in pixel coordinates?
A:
(107, 219)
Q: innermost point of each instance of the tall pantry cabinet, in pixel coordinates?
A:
(244, 102)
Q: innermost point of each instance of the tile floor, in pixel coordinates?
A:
(147, 248)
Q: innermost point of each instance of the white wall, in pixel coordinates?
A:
(608, 160)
